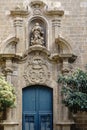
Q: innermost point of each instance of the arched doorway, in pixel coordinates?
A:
(37, 108)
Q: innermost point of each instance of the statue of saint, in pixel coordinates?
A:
(37, 35)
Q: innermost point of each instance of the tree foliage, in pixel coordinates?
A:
(7, 95)
(74, 90)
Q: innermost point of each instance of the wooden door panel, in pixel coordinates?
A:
(37, 108)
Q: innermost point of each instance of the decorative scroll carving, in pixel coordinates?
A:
(36, 71)
(37, 33)
(37, 7)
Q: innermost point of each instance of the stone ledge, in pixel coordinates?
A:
(65, 123)
(57, 56)
(9, 123)
(81, 123)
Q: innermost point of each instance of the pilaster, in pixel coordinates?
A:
(18, 15)
(56, 18)
(56, 24)
(19, 33)
(10, 123)
(65, 71)
(8, 70)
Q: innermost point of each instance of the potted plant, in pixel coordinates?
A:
(7, 96)
(74, 91)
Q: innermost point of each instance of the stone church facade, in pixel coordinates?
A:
(40, 39)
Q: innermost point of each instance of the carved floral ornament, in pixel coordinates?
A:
(36, 71)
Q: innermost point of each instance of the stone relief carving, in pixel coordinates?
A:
(37, 6)
(37, 11)
(37, 35)
(36, 71)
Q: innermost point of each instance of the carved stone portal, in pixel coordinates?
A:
(36, 71)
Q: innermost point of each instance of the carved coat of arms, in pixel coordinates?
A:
(36, 71)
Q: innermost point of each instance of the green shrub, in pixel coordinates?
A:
(7, 95)
(74, 90)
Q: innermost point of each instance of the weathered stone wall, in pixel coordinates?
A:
(73, 26)
(72, 30)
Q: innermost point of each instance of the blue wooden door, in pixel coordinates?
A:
(37, 108)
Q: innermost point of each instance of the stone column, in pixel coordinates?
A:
(10, 123)
(8, 72)
(63, 111)
(64, 122)
(65, 71)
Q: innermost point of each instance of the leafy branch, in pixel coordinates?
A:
(74, 90)
(7, 95)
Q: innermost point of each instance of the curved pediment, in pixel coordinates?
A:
(8, 45)
(64, 50)
(64, 46)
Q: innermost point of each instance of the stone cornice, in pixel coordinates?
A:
(53, 57)
(54, 12)
(19, 12)
(71, 57)
(65, 55)
(9, 56)
(57, 56)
